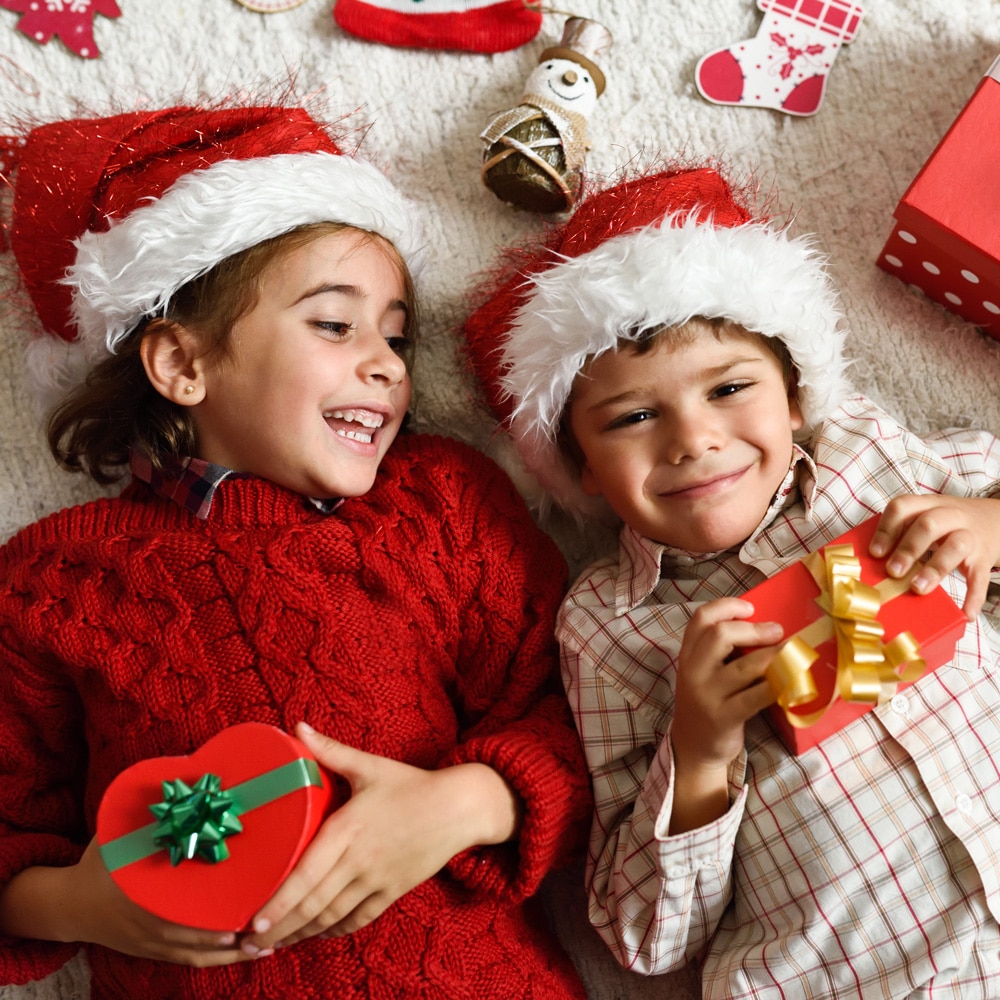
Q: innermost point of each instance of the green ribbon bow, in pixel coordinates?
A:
(195, 820)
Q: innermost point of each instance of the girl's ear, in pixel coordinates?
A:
(171, 356)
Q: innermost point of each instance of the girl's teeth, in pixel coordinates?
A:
(356, 436)
(370, 420)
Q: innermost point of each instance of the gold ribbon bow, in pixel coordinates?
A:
(868, 671)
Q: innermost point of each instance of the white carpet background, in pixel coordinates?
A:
(891, 95)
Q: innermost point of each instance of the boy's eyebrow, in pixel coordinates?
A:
(706, 374)
(732, 363)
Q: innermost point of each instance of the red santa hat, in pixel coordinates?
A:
(649, 252)
(111, 216)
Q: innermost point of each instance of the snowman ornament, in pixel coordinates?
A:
(534, 153)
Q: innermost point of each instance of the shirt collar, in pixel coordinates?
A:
(192, 482)
(641, 559)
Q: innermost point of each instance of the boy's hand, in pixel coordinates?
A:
(714, 697)
(960, 533)
(401, 825)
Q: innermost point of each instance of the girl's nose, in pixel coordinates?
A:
(381, 362)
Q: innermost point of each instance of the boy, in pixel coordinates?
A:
(678, 362)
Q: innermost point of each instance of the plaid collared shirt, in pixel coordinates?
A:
(192, 483)
(869, 866)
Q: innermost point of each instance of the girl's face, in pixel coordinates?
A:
(312, 388)
(690, 441)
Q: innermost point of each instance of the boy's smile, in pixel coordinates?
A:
(689, 441)
(313, 388)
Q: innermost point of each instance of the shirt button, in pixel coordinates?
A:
(752, 549)
(899, 704)
(963, 804)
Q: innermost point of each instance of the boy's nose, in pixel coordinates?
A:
(691, 435)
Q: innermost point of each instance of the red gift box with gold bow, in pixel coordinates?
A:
(853, 637)
(204, 840)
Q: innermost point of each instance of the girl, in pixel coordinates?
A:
(238, 313)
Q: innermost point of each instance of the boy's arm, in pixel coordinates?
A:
(655, 899)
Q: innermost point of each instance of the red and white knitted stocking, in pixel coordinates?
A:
(471, 25)
(785, 66)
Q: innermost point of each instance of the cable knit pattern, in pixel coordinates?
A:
(415, 622)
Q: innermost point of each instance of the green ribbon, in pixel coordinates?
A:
(197, 820)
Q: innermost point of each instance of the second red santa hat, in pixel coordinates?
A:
(649, 252)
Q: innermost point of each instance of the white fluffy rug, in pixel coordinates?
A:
(891, 95)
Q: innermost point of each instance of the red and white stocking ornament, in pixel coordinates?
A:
(469, 25)
(786, 65)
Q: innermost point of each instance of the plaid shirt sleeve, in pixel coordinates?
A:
(674, 890)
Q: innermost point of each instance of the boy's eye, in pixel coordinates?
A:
(729, 389)
(628, 419)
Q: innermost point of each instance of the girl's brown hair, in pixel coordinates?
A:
(117, 409)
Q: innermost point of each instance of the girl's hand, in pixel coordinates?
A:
(83, 903)
(713, 699)
(400, 826)
(960, 533)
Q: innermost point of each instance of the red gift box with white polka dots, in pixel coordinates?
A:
(946, 240)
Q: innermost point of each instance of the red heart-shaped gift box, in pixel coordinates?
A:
(267, 780)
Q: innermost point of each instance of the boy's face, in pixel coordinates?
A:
(688, 442)
(312, 388)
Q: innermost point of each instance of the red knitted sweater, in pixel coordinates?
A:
(415, 623)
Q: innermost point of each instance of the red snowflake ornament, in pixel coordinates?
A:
(71, 20)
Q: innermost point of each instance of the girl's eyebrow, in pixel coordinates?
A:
(352, 291)
(326, 288)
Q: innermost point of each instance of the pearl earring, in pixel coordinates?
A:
(188, 389)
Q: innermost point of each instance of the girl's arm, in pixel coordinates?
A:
(400, 826)
(82, 903)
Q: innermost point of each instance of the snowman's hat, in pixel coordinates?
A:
(584, 42)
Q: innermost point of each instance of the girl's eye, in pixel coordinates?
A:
(334, 327)
(400, 345)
